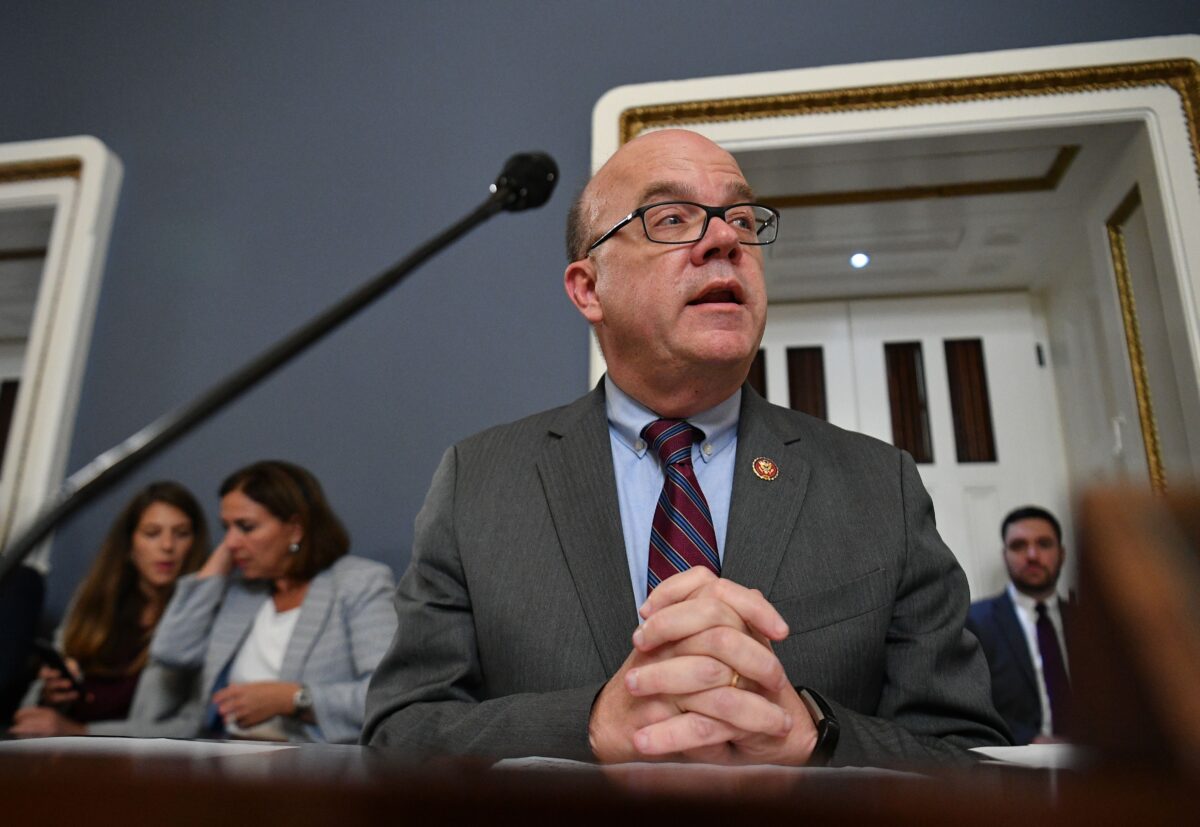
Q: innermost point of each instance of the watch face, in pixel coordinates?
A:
(303, 700)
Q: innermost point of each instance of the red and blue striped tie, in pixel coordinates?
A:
(682, 534)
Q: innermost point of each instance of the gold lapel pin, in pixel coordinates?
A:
(765, 469)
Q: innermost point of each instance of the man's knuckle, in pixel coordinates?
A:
(702, 726)
(712, 671)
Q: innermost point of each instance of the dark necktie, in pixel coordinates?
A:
(682, 534)
(1054, 671)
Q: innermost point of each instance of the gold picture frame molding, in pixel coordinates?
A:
(41, 170)
(1182, 76)
(1115, 227)
(962, 189)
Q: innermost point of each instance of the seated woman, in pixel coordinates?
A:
(284, 627)
(159, 535)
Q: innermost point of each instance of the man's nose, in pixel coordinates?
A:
(719, 241)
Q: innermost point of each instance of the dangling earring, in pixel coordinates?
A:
(293, 548)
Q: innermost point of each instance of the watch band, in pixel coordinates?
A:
(301, 701)
(826, 722)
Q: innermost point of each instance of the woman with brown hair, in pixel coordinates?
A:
(284, 627)
(159, 535)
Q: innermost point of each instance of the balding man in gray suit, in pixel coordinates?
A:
(535, 617)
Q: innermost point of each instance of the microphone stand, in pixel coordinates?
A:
(526, 182)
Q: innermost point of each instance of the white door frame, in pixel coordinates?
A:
(80, 178)
(1153, 81)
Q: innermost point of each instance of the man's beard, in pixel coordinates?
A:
(1032, 587)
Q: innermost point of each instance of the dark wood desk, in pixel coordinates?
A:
(1140, 664)
(349, 786)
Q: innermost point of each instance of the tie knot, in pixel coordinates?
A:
(672, 439)
(1041, 609)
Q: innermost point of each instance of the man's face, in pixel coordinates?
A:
(664, 309)
(1033, 555)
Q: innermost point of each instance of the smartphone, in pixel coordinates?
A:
(55, 660)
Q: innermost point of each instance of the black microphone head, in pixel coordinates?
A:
(526, 181)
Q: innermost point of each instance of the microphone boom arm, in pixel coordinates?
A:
(514, 190)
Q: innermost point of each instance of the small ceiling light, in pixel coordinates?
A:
(859, 260)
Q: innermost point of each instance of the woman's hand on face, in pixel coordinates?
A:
(249, 704)
(56, 688)
(219, 563)
(40, 722)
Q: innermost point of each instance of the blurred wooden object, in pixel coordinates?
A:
(1135, 663)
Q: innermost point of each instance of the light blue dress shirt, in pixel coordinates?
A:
(640, 475)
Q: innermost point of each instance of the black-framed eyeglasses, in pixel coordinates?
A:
(686, 222)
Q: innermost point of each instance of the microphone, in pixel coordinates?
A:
(526, 181)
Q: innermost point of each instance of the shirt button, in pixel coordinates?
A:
(707, 449)
(639, 446)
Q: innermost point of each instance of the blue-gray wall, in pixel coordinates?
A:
(279, 153)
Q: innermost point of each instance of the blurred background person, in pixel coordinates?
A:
(1025, 630)
(160, 535)
(21, 597)
(284, 627)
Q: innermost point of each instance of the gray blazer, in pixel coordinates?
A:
(343, 630)
(516, 607)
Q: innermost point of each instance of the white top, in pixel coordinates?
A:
(1027, 615)
(260, 659)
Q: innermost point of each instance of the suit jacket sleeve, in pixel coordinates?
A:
(934, 701)
(181, 638)
(427, 695)
(365, 626)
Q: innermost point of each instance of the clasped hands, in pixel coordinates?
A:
(702, 683)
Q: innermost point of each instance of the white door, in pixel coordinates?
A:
(978, 475)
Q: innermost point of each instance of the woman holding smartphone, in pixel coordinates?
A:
(160, 535)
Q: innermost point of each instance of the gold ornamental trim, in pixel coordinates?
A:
(41, 170)
(1115, 225)
(961, 189)
(1181, 75)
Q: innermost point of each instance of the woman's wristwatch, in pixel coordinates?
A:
(301, 702)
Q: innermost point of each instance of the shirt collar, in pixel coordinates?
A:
(627, 417)
(1029, 604)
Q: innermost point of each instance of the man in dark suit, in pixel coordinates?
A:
(834, 631)
(1024, 629)
(21, 597)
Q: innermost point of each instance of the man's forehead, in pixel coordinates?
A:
(670, 164)
(1030, 525)
(736, 189)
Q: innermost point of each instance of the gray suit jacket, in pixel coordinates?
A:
(516, 607)
(344, 628)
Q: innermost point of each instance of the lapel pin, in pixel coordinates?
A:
(765, 469)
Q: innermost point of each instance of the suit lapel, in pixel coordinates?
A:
(314, 612)
(576, 470)
(763, 513)
(1014, 636)
(242, 602)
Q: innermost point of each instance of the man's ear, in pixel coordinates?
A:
(580, 283)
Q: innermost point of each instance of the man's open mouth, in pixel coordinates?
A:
(717, 296)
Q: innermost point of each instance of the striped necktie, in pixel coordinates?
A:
(682, 534)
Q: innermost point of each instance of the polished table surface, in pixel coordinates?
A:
(127, 782)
